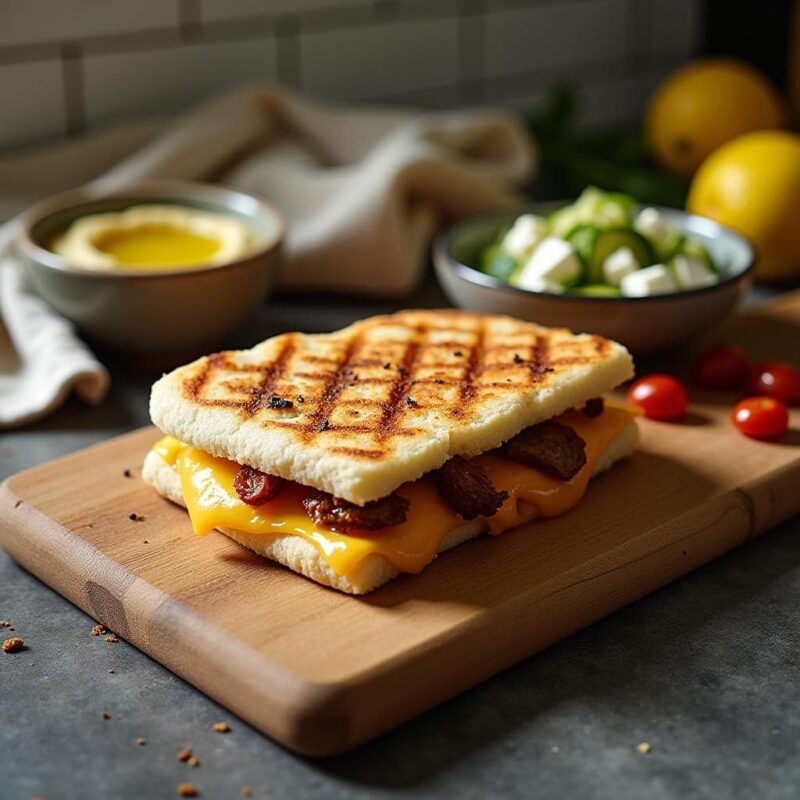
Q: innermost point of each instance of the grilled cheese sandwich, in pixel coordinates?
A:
(351, 457)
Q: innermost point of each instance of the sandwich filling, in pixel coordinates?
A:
(543, 472)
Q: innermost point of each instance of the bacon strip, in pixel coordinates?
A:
(255, 487)
(342, 517)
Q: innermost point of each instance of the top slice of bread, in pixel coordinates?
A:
(360, 411)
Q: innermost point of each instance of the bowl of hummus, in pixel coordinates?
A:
(160, 266)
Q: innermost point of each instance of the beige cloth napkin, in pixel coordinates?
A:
(362, 191)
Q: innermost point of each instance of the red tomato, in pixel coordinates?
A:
(721, 366)
(659, 396)
(761, 417)
(777, 380)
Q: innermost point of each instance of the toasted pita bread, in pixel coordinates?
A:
(360, 411)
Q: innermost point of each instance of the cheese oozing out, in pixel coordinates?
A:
(207, 484)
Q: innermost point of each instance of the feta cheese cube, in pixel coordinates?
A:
(619, 264)
(648, 281)
(552, 261)
(692, 273)
(523, 236)
(652, 224)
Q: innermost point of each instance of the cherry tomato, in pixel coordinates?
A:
(761, 417)
(659, 396)
(777, 380)
(721, 366)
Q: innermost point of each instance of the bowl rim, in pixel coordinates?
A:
(144, 190)
(443, 258)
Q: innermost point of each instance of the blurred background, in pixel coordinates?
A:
(587, 65)
(78, 66)
(71, 67)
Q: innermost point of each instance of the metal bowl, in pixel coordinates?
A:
(160, 310)
(643, 324)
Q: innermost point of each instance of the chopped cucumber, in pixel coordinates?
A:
(602, 245)
(693, 248)
(608, 242)
(497, 263)
(596, 290)
(582, 238)
(669, 246)
(593, 207)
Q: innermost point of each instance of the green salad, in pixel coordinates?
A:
(602, 245)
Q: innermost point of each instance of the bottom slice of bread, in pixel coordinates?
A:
(302, 557)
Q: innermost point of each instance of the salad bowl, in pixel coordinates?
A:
(643, 324)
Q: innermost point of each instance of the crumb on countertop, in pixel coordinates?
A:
(105, 715)
(98, 629)
(187, 790)
(246, 791)
(141, 741)
(184, 755)
(644, 747)
(112, 637)
(13, 645)
(221, 727)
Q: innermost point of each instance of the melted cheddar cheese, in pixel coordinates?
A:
(207, 483)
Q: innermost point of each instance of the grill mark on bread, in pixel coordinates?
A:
(541, 359)
(270, 378)
(404, 370)
(467, 388)
(271, 375)
(334, 383)
(395, 406)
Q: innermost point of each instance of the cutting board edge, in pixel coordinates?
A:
(318, 719)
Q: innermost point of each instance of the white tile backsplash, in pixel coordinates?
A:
(25, 21)
(156, 56)
(32, 107)
(380, 60)
(527, 39)
(124, 85)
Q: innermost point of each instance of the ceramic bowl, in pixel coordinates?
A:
(152, 311)
(643, 324)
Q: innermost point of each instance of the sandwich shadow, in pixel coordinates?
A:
(490, 570)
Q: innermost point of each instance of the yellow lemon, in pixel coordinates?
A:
(752, 184)
(705, 104)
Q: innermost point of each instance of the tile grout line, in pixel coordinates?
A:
(73, 88)
(191, 27)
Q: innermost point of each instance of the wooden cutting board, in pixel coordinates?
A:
(322, 672)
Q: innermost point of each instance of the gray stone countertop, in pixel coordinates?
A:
(706, 670)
